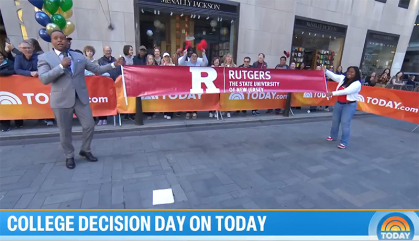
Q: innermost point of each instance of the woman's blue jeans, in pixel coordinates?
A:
(342, 114)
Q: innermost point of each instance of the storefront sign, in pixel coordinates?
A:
(196, 4)
(158, 80)
(382, 38)
(193, 3)
(319, 26)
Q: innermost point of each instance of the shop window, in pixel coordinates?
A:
(317, 44)
(404, 3)
(383, 1)
(169, 31)
(379, 50)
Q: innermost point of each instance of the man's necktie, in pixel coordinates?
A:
(65, 55)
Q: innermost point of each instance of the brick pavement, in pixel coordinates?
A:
(276, 166)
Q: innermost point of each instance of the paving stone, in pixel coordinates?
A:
(90, 199)
(222, 168)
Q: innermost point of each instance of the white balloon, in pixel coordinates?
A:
(157, 23)
(162, 26)
(149, 33)
(213, 23)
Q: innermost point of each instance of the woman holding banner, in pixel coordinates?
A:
(347, 92)
(167, 61)
(229, 63)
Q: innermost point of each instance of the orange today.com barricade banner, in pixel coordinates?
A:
(25, 98)
(397, 104)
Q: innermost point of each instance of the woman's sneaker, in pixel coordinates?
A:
(228, 115)
(330, 139)
(211, 115)
(100, 122)
(341, 146)
(194, 116)
(104, 122)
(188, 116)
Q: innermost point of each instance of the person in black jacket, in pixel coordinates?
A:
(141, 58)
(6, 65)
(7, 69)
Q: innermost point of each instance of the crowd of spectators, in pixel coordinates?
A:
(23, 61)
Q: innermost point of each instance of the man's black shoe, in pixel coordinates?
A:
(69, 163)
(88, 156)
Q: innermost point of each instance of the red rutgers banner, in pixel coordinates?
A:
(168, 80)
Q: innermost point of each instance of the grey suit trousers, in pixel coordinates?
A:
(64, 118)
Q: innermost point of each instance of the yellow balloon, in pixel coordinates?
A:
(67, 14)
(59, 11)
(51, 27)
(46, 11)
(69, 27)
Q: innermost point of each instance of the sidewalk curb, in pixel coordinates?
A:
(118, 129)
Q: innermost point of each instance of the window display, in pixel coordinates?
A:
(379, 50)
(317, 43)
(171, 28)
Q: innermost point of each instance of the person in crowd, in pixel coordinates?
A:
(89, 53)
(26, 64)
(347, 91)
(246, 64)
(229, 63)
(157, 56)
(167, 61)
(105, 60)
(68, 93)
(292, 65)
(397, 80)
(384, 77)
(282, 65)
(69, 39)
(107, 57)
(128, 51)
(141, 58)
(260, 64)
(193, 61)
(216, 62)
(339, 70)
(7, 69)
(372, 79)
(6, 65)
(411, 81)
(36, 46)
(10, 49)
(150, 61)
(302, 66)
(177, 56)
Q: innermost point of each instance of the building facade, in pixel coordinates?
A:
(372, 34)
(411, 59)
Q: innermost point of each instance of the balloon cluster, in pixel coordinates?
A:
(54, 16)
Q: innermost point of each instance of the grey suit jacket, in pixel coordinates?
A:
(64, 85)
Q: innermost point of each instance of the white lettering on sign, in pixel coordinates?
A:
(197, 80)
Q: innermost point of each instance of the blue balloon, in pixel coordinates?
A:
(37, 3)
(44, 35)
(42, 18)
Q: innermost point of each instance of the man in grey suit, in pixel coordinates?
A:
(64, 70)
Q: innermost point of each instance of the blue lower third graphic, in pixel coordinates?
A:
(219, 225)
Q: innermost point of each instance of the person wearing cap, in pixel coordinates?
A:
(69, 39)
(167, 61)
(141, 58)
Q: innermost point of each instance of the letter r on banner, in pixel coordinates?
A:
(197, 80)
